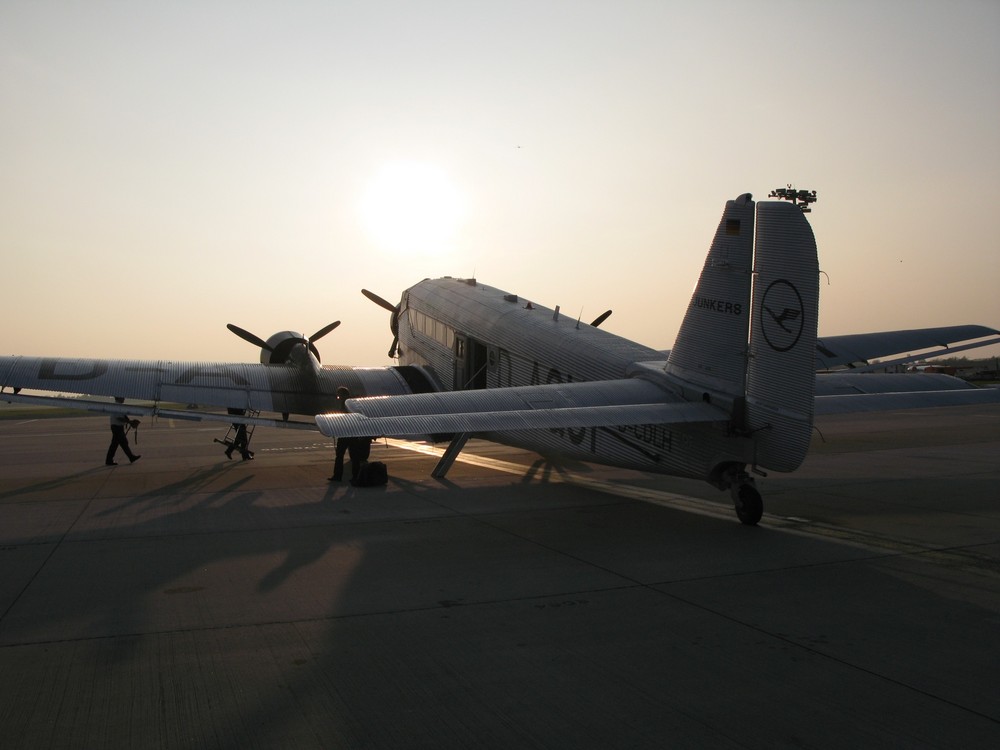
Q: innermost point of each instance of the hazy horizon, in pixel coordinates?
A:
(170, 169)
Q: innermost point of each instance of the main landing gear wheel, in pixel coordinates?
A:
(749, 504)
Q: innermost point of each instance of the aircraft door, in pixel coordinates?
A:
(478, 363)
(471, 361)
(461, 362)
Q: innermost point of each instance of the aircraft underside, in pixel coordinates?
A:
(692, 451)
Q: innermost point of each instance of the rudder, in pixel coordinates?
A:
(781, 374)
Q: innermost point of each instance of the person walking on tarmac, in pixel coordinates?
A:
(240, 442)
(119, 424)
(342, 443)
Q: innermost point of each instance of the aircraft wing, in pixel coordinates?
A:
(857, 350)
(134, 409)
(286, 389)
(851, 382)
(845, 404)
(573, 405)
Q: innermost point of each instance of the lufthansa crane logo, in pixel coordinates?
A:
(781, 315)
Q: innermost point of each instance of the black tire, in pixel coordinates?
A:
(749, 505)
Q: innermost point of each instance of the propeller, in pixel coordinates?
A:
(601, 318)
(247, 336)
(280, 345)
(393, 321)
(383, 303)
(323, 331)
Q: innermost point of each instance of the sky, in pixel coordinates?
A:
(167, 168)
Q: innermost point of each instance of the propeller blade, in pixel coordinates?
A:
(323, 331)
(601, 318)
(247, 336)
(393, 321)
(380, 302)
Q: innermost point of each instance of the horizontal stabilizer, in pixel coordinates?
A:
(358, 425)
(619, 392)
(599, 403)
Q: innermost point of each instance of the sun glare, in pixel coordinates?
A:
(412, 208)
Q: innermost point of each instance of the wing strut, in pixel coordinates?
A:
(448, 458)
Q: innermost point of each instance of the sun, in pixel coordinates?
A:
(412, 208)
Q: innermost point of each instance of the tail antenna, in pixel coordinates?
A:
(800, 198)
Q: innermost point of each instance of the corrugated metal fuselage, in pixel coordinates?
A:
(475, 336)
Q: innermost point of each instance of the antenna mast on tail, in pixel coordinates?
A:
(800, 198)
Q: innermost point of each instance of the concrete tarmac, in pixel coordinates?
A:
(190, 601)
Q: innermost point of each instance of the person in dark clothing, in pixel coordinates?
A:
(343, 444)
(358, 449)
(119, 422)
(240, 443)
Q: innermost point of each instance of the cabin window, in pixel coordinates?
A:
(431, 328)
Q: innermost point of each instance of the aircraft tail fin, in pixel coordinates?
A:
(781, 371)
(749, 335)
(710, 350)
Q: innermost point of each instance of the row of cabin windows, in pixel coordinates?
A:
(434, 329)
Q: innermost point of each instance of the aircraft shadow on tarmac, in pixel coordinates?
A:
(509, 613)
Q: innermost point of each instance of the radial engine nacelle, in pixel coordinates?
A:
(284, 347)
(281, 345)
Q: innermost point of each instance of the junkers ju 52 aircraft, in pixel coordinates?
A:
(736, 396)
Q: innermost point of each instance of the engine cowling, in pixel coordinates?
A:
(285, 347)
(281, 345)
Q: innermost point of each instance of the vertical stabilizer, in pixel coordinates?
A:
(710, 350)
(781, 376)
